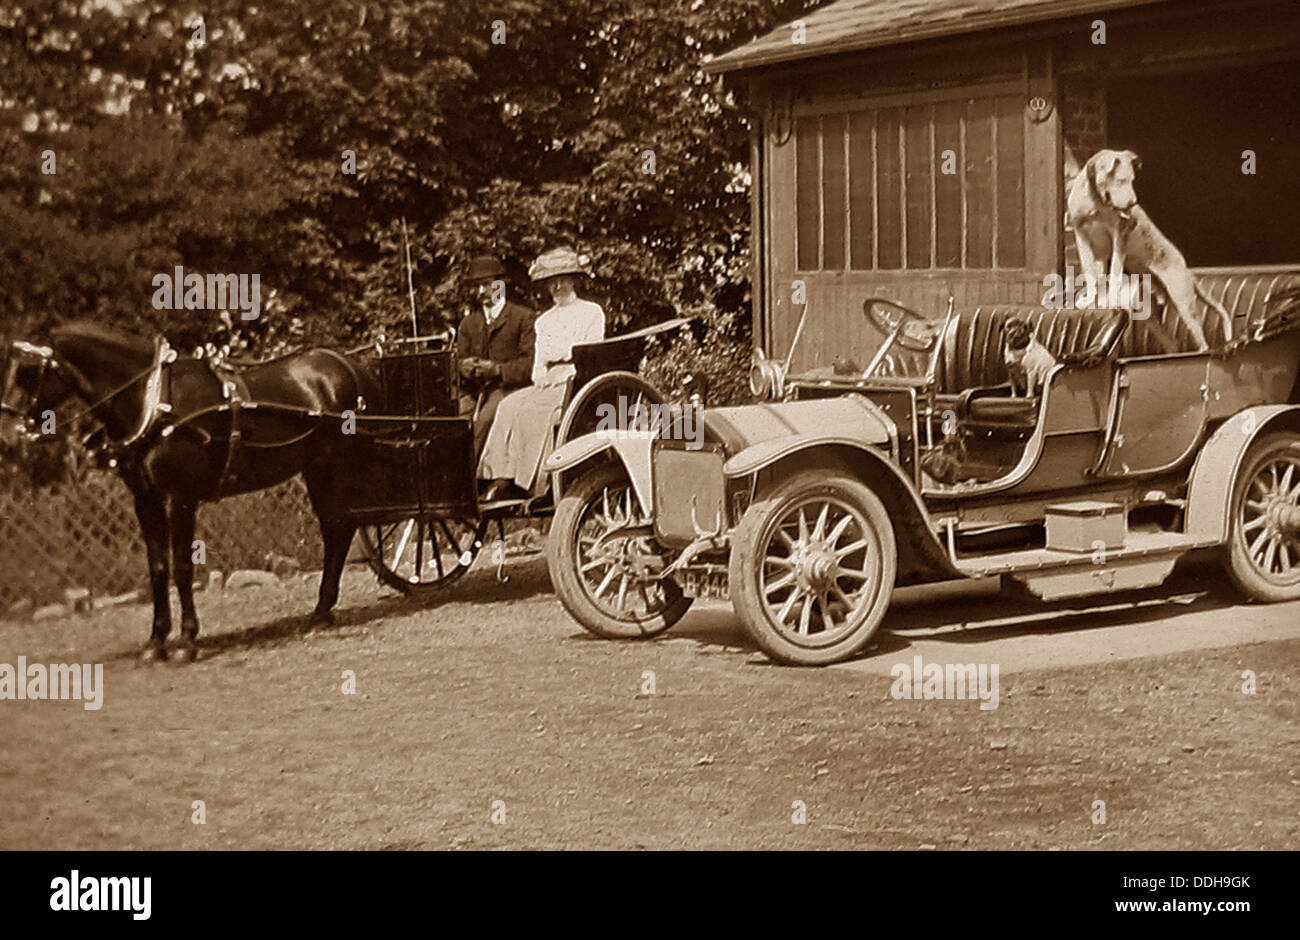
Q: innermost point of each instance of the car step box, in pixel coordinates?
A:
(1086, 526)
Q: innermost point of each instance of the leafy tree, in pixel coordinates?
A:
(512, 128)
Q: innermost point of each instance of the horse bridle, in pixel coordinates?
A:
(49, 362)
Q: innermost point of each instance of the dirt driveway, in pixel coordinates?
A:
(492, 721)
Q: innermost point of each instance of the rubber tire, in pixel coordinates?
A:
(1236, 562)
(743, 568)
(562, 561)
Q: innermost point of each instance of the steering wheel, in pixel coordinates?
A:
(902, 325)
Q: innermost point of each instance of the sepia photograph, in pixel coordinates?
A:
(613, 426)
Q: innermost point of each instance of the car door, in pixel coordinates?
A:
(1158, 411)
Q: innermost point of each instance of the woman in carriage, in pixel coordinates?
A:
(523, 429)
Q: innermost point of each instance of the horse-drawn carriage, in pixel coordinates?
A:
(376, 434)
(411, 485)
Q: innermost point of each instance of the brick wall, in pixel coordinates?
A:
(1083, 118)
(1083, 123)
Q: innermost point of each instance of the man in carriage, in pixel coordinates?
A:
(494, 345)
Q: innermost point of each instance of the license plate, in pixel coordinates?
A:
(704, 584)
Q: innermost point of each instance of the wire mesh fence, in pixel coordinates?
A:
(86, 536)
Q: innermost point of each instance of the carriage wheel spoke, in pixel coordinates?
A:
(401, 544)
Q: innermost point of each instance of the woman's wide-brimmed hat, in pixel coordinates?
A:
(558, 261)
(484, 268)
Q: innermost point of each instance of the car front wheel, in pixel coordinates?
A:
(603, 560)
(812, 568)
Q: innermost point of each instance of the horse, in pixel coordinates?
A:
(182, 430)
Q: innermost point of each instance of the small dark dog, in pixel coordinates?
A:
(1028, 361)
(944, 463)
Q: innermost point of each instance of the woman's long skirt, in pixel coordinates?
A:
(522, 435)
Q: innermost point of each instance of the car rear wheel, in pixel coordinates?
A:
(1263, 550)
(602, 558)
(812, 568)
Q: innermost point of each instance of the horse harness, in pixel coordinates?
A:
(157, 415)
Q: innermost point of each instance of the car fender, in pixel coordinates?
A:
(884, 475)
(1214, 475)
(762, 455)
(631, 448)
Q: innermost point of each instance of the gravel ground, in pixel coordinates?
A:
(493, 703)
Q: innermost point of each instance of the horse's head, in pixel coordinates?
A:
(32, 440)
(35, 387)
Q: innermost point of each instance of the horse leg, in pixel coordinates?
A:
(337, 535)
(336, 532)
(182, 529)
(153, 526)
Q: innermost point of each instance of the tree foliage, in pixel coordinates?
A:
(213, 138)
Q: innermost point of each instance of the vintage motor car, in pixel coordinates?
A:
(809, 509)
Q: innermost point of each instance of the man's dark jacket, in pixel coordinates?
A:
(509, 342)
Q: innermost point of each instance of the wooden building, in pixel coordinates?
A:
(917, 149)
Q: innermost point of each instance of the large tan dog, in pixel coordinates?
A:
(1102, 209)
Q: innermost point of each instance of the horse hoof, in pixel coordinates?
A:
(153, 654)
(320, 618)
(186, 654)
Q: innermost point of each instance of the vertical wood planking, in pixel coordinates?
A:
(979, 182)
(1010, 184)
(889, 201)
(948, 213)
(834, 195)
(807, 192)
(862, 200)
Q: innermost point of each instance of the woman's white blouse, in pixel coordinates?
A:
(558, 331)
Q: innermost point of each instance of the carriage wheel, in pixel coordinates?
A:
(624, 389)
(812, 568)
(420, 556)
(602, 560)
(1263, 550)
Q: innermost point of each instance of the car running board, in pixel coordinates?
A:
(1145, 560)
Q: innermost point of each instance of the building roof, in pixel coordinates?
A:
(850, 25)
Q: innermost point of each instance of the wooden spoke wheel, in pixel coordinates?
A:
(603, 558)
(628, 395)
(1263, 550)
(417, 556)
(812, 568)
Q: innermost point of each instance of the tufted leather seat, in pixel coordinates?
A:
(972, 353)
(1243, 293)
(972, 350)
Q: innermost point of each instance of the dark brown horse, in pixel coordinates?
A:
(181, 432)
